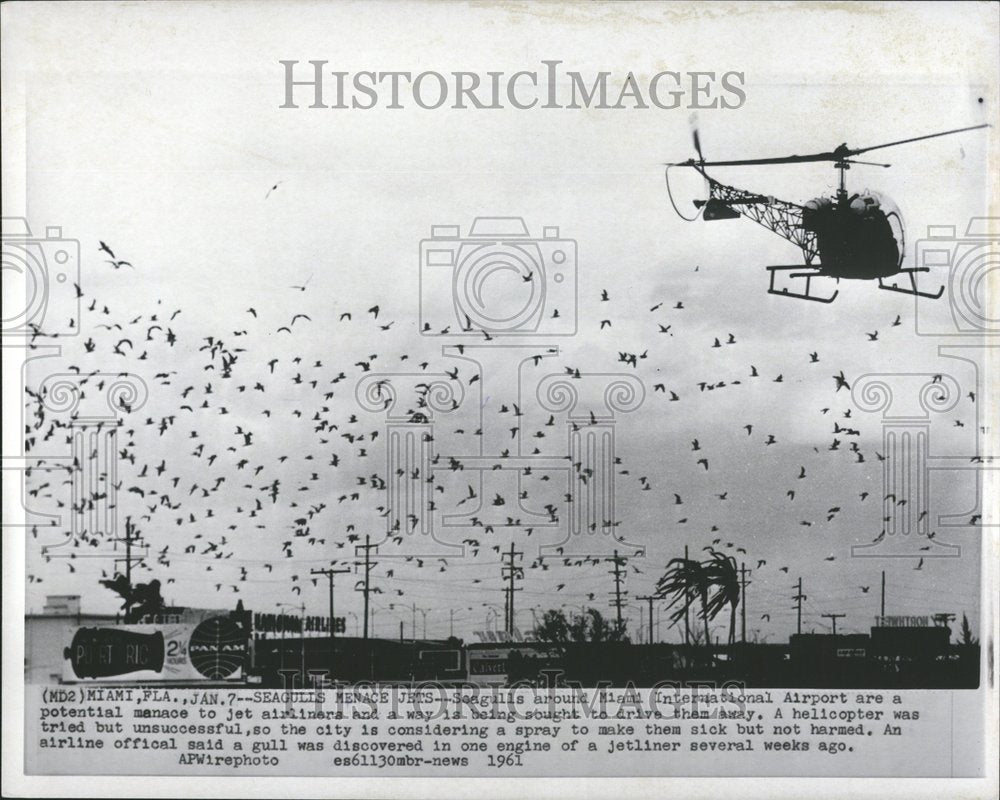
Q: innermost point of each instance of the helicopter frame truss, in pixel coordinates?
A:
(784, 219)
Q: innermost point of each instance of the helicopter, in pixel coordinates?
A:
(852, 236)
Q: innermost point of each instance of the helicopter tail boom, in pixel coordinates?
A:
(780, 216)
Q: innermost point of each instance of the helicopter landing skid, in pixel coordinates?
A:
(809, 275)
(913, 290)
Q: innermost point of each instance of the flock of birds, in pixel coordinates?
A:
(251, 462)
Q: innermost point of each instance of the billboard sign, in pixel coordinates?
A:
(202, 644)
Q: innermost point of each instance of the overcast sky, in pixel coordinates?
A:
(161, 135)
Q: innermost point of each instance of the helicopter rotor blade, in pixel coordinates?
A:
(842, 153)
(866, 163)
(858, 151)
(761, 161)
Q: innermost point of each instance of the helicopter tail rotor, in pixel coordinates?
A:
(710, 208)
(698, 204)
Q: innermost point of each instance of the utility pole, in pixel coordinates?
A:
(413, 623)
(617, 602)
(883, 595)
(798, 597)
(649, 599)
(302, 637)
(282, 626)
(129, 528)
(743, 602)
(369, 565)
(687, 619)
(834, 618)
(302, 643)
(130, 537)
(329, 576)
(511, 572)
(451, 623)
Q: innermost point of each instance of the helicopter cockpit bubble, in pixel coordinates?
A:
(894, 218)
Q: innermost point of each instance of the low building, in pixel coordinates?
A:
(923, 642)
(824, 647)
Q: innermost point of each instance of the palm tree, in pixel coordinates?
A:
(723, 574)
(685, 580)
(590, 626)
(599, 629)
(554, 628)
(967, 640)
